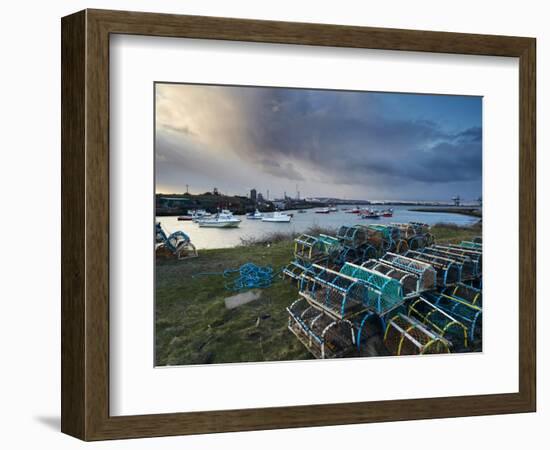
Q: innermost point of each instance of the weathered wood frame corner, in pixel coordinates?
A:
(85, 224)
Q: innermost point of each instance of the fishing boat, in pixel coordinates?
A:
(354, 211)
(278, 217)
(370, 214)
(387, 213)
(256, 215)
(322, 211)
(198, 214)
(223, 219)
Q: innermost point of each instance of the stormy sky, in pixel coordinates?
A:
(355, 145)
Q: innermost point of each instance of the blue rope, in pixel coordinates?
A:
(248, 276)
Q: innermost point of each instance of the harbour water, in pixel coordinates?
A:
(207, 238)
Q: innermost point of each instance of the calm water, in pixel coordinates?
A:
(231, 237)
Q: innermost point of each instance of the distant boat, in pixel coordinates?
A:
(277, 217)
(256, 215)
(354, 211)
(223, 219)
(322, 211)
(199, 214)
(387, 213)
(333, 209)
(370, 214)
(187, 217)
(302, 211)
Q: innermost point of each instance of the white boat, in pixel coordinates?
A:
(277, 217)
(199, 214)
(256, 215)
(223, 219)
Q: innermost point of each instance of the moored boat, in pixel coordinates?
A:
(277, 217)
(185, 217)
(370, 214)
(223, 219)
(256, 215)
(198, 214)
(387, 213)
(322, 211)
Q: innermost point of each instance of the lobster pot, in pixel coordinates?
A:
(420, 227)
(346, 254)
(369, 325)
(307, 250)
(399, 246)
(390, 288)
(177, 244)
(406, 230)
(294, 270)
(355, 254)
(307, 278)
(352, 236)
(406, 336)
(410, 282)
(448, 270)
(368, 251)
(336, 294)
(323, 336)
(466, 313)
(303, 247)
(474, 255)
(417, 242)
(439, 321)
(380, 237)
(387, 232)
(467, 293)
(349, 293)
(327, 245)
(470, 269)
(426, 273)
(472, 245)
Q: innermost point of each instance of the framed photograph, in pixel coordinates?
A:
(273, 225)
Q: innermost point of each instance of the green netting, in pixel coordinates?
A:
(352, 236)
(385, 231)
(464, 292)
(327, 244)
(438, 320)
(386, 285)
(468, 314)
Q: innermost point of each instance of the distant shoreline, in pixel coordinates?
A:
(473, 212)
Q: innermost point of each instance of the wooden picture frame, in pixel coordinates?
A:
(85, 224)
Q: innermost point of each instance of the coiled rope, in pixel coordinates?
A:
(248, 276)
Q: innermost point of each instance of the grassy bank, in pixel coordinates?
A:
(193, 325)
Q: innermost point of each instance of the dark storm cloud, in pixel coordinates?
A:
(281, 170)
(349, 139)
(400, 145)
